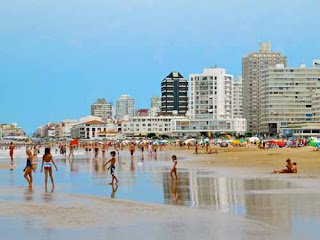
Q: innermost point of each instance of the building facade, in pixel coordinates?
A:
(141, 126)
(11, 130)
(211, 94)
(174, 94)
(63, 129)
(125, 107)
(237, 95)
(252, 66)
(90, 130)
(287, 96)
(102, 109)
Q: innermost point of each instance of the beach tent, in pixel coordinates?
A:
(254, 139)
(235, 142)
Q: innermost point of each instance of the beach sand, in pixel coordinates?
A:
(256, 160)
(159, 221)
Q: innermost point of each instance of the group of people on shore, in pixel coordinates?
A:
(48, 161)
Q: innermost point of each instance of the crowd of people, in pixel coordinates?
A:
(48, 162)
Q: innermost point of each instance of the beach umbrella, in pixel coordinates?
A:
(234, 142)
(281, 144)
(313, 144)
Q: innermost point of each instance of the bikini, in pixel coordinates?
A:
(47, 165)
(28, 163)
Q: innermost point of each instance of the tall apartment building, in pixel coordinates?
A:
(125, 107)
(252, 66)
(155, 102)
(316, 106)
(211, 94)
(174, 94)
(286, 96)
(102, 109)
(237, 95)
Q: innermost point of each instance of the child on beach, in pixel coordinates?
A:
(28, 169)
(11, 148)
(112, 167)
(174, 167)
(47, 161)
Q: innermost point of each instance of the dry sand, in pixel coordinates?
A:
(256, 160)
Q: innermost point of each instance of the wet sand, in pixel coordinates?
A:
(110, 217)
(229, 195)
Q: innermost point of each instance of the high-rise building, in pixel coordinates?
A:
(237, 98)
(174, 94)
(252, 65)
(155, 102)
(211, 94)
(125, 108)
(102, 109)
(286, 96)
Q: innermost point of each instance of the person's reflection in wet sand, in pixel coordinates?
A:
(48, 195)
(114, 190)
(96, 165)
(132, 167)
(142, 157)
(73, 168)
(28, 194)
(174, 190)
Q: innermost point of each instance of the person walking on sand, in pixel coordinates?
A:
(35, 153)
(11, 150)
(132, 148)
(196, 148)
(174, 168)
(71, 151)
(29, 168)
(112, 167)
(47, 162)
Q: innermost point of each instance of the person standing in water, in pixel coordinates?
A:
(112, 167)
(174, 168)
(71, 151)
(11, 149)
(29, 168)
(47, 162)
(132, 148)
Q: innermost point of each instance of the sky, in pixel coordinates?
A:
(57, 57)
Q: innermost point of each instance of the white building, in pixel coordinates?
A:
(88, 130)
(196, 127)
(211, 94)
(287, 95)
(237, 98)
(212, 105)
(125, 107)
(160, 125)
(63, 130)
(102, 109)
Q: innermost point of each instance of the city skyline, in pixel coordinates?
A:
(50, 77)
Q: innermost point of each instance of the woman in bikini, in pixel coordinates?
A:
(47, 162)
(174, 168)
(28, 169)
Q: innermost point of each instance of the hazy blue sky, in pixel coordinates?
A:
(57, 57)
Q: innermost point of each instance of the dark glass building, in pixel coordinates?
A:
(174, 94)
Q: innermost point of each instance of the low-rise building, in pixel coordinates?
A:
(91, 130)
(10, 130)
(301, 130)
(208, 127)
(141, 126)
(63, 130)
